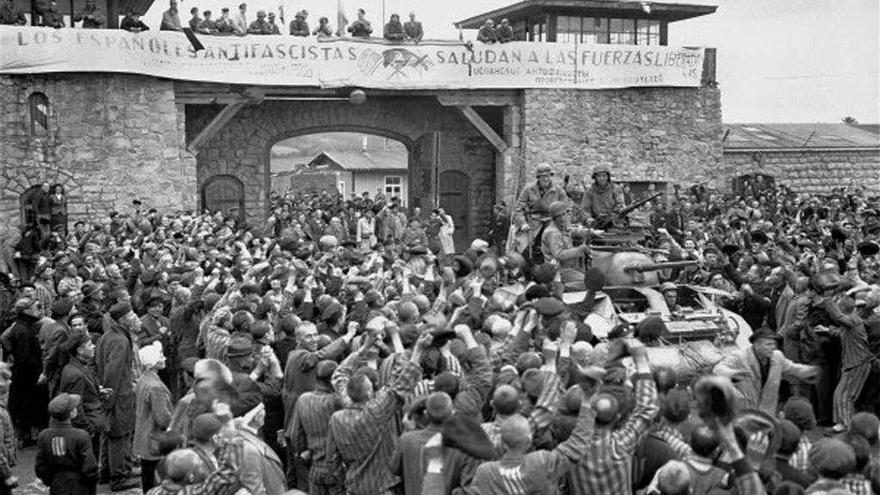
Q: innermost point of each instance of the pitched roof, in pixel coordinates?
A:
(363, 161)
(775, 136)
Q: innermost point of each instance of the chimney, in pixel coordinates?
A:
(364, 143)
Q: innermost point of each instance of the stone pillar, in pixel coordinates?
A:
(508, 166)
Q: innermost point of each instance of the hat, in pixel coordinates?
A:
(762, 333)
(549, 306)
(150, 355)
(63, 404)
(759, 237)
(120, 309)
(791, 436)
(711, 249)
(479, 245)
(799, 411)
(557, 208)
(730, 249)
(544, 273)
(868, 248)
(89, 288)
(536, 291)
(832, 458)
(205, 426)
(667, 286)
(61, 307)
(240, 346)
(543, 169)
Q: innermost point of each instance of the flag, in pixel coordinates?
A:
(341, 19)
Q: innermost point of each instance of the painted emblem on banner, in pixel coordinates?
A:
(400, 62)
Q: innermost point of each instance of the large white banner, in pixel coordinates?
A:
(291, 61)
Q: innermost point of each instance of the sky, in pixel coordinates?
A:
(778, 60)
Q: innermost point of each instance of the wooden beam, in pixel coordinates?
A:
(478, 99)
(218, 122)
(485, 129)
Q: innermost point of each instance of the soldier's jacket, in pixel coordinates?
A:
(603, 203)
(533, 201)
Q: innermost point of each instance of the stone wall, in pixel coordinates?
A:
(643, 134)
(111, 138)
(242, 147)
(811, 171)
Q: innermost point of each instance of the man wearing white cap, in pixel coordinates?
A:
(153, 406)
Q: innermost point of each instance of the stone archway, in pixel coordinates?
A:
(243, 146)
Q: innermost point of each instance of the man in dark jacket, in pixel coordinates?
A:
(65, 461)
(78, 378)
(114, 362)
(26, 399)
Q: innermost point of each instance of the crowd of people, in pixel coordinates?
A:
(349, 346)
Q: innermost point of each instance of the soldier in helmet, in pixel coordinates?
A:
(604, 199)
(552, 243)
(536, 197)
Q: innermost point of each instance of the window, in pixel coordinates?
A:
(538, 29)
(595, 30)
(648, 32)
(393, 185)
(623, 31)
(568, 29)
(38, 104)
(340, 186)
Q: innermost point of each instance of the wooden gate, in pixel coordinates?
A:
(224, 193)
(455, 198)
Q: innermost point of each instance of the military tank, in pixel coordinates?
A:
(698, 333)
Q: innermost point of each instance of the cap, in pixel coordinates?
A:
(601, 169)
(543, 170)
(479, 245)
(667, 286)
(150, 355)
(119, 310)
(89, 288)
(61, 307)
(549, 306)
(832, 458)
(762, 333)
(61, 406)
(205, 426)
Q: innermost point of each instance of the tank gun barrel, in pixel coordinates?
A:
(664, 265)
(625, 249)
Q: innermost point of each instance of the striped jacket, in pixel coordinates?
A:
(607, 467)
(362, 436)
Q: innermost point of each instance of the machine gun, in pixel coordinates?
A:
(616, 218)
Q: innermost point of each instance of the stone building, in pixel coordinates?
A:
(182, 145)
(809, 158)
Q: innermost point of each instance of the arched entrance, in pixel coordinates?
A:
(455, 190)
(224, 193)
(438, 139)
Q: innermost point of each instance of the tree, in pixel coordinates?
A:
(850, 120)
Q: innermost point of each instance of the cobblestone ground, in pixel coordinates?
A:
(30, 485)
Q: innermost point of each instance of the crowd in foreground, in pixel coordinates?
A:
(348, 346)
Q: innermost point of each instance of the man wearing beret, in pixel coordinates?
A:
(114, 362)
(65, 460)
(758, 370)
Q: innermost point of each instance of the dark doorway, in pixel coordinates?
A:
(753, 184)
(28, 205)
(224, 193)
(455, 189)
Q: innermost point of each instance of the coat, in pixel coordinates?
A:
(555, 247)
(26, 400)
(261, 470)
(745, 372)
(78, 379)
(65, 461)
(114, 360)
(153, 406)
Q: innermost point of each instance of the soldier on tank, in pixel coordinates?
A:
(604, 199)
(552, 243)
(536, 197)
